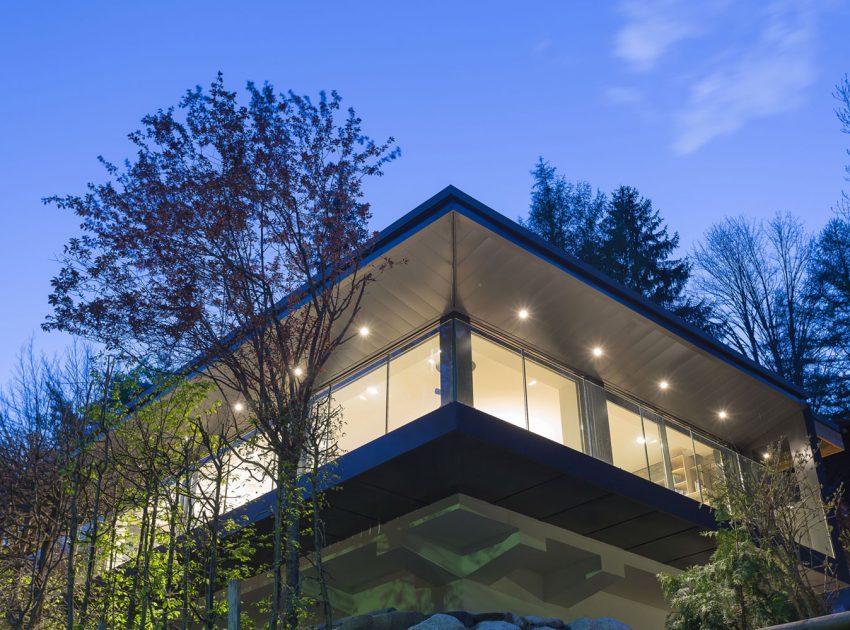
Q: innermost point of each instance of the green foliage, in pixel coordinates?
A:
(755, 576)
(735, 589)
(622, 236)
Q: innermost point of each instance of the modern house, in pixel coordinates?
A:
(523, 433)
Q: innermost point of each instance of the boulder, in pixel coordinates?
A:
(396, 620)
(359, 622)
(533, 621)
(467, 619)
(440, 622)
(604, 623)
(496, 625)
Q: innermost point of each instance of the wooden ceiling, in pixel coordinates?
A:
(493, 276)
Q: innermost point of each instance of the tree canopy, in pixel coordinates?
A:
(621, 235)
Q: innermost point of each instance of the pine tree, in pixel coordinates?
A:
(636, 249)
(565, 214)
(546, 216)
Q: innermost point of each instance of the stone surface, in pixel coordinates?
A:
(534, 621)
(360, 622)
(396, 620)
(466, 618)
(440, 622)
(604, 623)
(392, 619)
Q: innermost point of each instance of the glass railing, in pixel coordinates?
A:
(514, 385)
(456, 361)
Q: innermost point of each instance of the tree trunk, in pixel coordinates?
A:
(292, 562)
(94, 533)
(72, 546)
(277, 535)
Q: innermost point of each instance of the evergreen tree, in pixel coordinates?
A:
(623, 237)
(636, 249)
(565, 214)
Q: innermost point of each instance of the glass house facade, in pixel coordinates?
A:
(459, 361)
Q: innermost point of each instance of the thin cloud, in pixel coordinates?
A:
(623, 95)
(651, 29)
(751, 61)
(542, 46)
(768, 78)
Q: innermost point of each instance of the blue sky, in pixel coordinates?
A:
(710, 109)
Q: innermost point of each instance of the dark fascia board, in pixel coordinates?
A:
(452, 199)
(459, 419)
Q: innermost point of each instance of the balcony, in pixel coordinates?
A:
(459, 361)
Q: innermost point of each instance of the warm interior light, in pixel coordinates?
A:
(765, 455)
(238, 407)
(664, 385)
(597, 351)
(722, 415)
(298, 371)
(364, 331)
(523, 313)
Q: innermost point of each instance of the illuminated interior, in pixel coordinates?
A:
(512, 384)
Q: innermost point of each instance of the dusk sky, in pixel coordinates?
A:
(709, 109)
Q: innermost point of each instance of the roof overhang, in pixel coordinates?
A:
(457, 255)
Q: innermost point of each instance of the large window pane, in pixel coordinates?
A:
(497, 381)
(414, 383)
(682, 463)
(654, 447)
(627, 441)
(553, 406)
(248, 478)
(709, 464)
(363, 406)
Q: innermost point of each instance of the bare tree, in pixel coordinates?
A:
(236, 235)
(758, 278)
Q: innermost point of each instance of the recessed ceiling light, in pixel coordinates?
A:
(722, 414)
(364, 331)
(597, 351)
(663, 385)
(523, 313)
(238, 407)
(298, 371)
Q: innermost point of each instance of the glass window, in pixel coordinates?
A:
(654, 447)
(553, 407)
(206, 485)
(248, 477)
(414, 383)
(363, 408)
(497, 381)
(709, 464)
(682, 463)
(627, 440)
